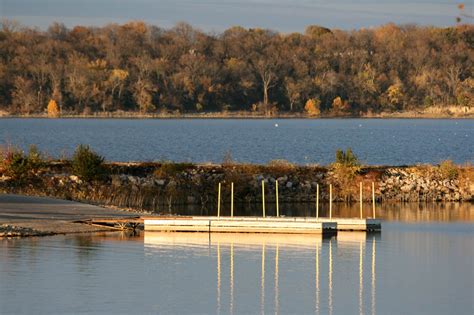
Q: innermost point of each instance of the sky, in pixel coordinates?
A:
(217, 15)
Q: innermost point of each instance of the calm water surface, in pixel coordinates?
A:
(421, 263)
(375, 141)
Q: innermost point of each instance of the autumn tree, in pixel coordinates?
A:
(143, 87)
(340, 106)
(23, 95)
(53, 109)
(141, 67)
(312, 107)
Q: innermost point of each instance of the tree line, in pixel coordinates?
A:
(144, 68)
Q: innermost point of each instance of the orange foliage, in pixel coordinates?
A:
(312, 107)
(53, 109)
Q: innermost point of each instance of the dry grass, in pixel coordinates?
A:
(466, 176)
(172, 169)
(280, 167)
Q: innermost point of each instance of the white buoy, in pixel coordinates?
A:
(276, 125)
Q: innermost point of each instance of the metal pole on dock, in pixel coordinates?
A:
(317, 201)
(330, 201)
(263, 198)
(277, 205)
(219, 201)
(232, 199)
(360, 199)
(373, 200)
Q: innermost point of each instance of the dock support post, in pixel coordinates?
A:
(330, 201)
(277, 205)
(360, 199)
(219, 201)
(232, 200)
(263, 198)
(373, 200)
(317, 201)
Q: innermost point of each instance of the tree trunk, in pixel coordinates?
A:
(265, 93)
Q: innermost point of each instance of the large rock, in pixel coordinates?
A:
(160, 182)
(75, 179)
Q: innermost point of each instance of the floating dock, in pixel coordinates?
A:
(353, 224)
(240, 225)
(287, 225)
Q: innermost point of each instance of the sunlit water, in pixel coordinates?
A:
(375, 141)
(421, 263)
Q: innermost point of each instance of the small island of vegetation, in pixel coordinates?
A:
(167, 187)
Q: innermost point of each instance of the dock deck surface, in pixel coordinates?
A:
(240, 225)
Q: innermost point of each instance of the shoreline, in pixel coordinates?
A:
(243, 115)
(160, 187)
(32, 216)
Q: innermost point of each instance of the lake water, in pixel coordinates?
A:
(375, 141)
(421, 263)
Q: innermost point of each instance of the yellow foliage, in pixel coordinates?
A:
(234, 64)
(312, 107)
(53, 109)
(387, 31)
(339, 105)
(138, 27)
(395, 94)
(98, 64)
(118, 74)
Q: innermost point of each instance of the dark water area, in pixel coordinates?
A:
(421, 263)
(375, 141)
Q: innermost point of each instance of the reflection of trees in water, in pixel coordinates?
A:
(13, 249)
(409, 212)
(86, 246)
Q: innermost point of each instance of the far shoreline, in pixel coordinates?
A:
(238, 115)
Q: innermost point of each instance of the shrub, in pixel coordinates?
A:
(35, 158)
(16, 164)
(448, 170)
(87, 164)
(227, 160)
(345, 169)
(347, 158)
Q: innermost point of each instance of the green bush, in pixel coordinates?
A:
(35, 158)
(87, 164)
(347, 158)
(345, 169)
(16, 164)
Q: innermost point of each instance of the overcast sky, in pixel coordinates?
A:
(217, 15)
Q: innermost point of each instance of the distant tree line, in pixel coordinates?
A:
(140, 67)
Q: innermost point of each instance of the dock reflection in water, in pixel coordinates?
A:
(240, 259)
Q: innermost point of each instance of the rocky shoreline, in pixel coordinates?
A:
(158, 187)
(8, 230)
